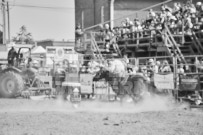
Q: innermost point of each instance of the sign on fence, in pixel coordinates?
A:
(86, 83)
(164, 81)
(102, 88)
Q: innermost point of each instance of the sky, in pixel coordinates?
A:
(57, 22)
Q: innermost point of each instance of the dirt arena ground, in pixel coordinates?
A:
(55, 117)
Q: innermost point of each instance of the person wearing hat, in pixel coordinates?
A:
(198, 6)
(12, 54)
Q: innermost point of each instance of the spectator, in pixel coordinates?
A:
(176, 8)
(12, 54)
(125, 57)
(83, 69)
(187, 15)
(127, 22)
(180, 69)
(188, 25)
(165, 67)
(138, 28)
(157, 66)
(78, 34)
(108, 35)
(151, 14)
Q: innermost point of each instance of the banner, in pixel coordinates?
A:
(164, 81)
(86, 83)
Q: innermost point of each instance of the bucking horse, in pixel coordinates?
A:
(136, 85)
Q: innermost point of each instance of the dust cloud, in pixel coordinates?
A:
(148, 104)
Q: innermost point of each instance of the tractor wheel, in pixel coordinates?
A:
(11, 84)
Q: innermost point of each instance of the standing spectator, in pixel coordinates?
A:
(198, 6)
(138, 28)
(117, 33)
(132, 30)
(157, 66)
(188, 25)
(165, 67)
(78, 34)
(108, 35)
(83, 69)
(125, 57)
(151, 65)
(180, 69)
(11, 55)
(192, 9)
(163, 16)
(127, 22)
(151, 14)
(101, 33)
(124, 31)
(176, 8)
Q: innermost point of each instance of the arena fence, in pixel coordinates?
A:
(189, 81)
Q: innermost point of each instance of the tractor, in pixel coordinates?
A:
(13, 78)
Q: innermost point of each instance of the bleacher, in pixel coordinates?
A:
(162, 40)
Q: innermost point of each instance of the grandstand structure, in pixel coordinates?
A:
(152, 42)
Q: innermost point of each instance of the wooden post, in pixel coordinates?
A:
(196, 59)
(137, 36)
(183, 36)
(82, 19)
(165, 39)
(102, 14)
(175, 74)
(4, 21)
(8, 14)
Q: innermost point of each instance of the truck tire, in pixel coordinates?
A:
(11, 84)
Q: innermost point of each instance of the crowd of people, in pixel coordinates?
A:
(179, 18)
